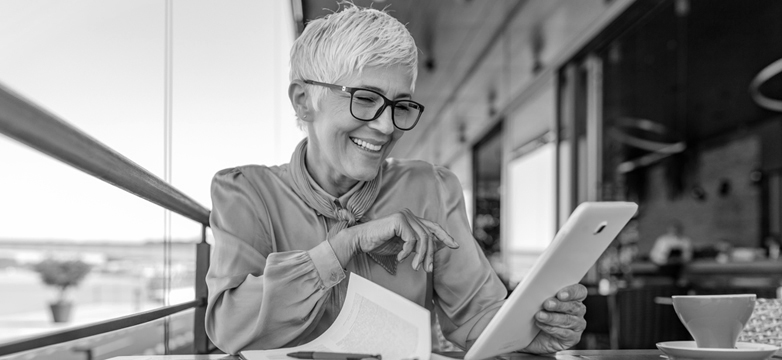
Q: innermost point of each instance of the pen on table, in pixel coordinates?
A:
(332, 355)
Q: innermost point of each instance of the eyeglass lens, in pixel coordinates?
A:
(367, 105)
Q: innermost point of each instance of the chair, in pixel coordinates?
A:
(638, 322)
(598, 329)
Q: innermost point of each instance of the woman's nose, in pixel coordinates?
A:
(384, 123)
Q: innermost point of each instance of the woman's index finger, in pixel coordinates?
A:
(441, 234)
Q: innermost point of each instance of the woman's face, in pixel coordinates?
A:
(342, 149)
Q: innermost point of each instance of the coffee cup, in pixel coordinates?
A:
(714, 321)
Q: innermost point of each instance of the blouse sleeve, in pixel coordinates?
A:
(467, 290)
(259, 298)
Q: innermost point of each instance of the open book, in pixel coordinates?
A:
(373, 320)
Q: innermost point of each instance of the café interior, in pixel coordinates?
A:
(540, 105)
(543, 105)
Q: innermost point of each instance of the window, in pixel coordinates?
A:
(531, 188)
(99, 66)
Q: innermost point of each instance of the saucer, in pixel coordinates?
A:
(686, 350)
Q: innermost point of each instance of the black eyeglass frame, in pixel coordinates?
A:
(387, 102)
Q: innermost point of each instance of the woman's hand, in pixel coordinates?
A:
(561, 321)
(417, 235)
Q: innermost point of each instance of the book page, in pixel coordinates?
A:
(373, 320)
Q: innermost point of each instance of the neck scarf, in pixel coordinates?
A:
(339, 216)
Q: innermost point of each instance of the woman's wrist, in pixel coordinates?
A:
(344, 246)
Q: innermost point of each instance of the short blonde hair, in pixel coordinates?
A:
(345, 42)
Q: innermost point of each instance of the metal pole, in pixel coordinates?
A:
(201, 343)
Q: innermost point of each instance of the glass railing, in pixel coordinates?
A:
(131, 293)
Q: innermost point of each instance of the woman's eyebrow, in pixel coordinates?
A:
(374, 88)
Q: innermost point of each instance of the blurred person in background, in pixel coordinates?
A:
(671, 251)
(672, 247)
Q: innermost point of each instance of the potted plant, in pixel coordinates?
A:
(62, 274)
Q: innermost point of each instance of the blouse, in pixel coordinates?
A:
(272, 269)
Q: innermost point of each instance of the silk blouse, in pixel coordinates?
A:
(273, 275)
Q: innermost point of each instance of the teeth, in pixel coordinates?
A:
(366, 145)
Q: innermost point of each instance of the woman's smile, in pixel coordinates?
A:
(367, 145)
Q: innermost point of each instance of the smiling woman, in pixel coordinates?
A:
(285, 236)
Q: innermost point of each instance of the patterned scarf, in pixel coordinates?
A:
(338, 216)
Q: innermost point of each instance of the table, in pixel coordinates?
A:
(562, 355)
(759, 273)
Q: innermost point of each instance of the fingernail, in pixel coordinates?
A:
(563, 295)
(430, 267)
(542, 316)
(550, 304)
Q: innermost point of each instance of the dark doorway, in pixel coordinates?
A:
(487, 166)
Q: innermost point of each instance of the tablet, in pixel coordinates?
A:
(575, 248)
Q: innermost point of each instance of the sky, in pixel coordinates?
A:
(98, 64)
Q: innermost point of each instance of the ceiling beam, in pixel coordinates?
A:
(297, 11)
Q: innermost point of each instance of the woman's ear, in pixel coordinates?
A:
(300, 100)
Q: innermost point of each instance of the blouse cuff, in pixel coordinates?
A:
(327, 264)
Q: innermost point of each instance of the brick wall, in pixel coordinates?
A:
(734, 217)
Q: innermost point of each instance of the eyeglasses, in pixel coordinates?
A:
(368, 105)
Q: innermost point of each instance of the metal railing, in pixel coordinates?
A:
(22, 120)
